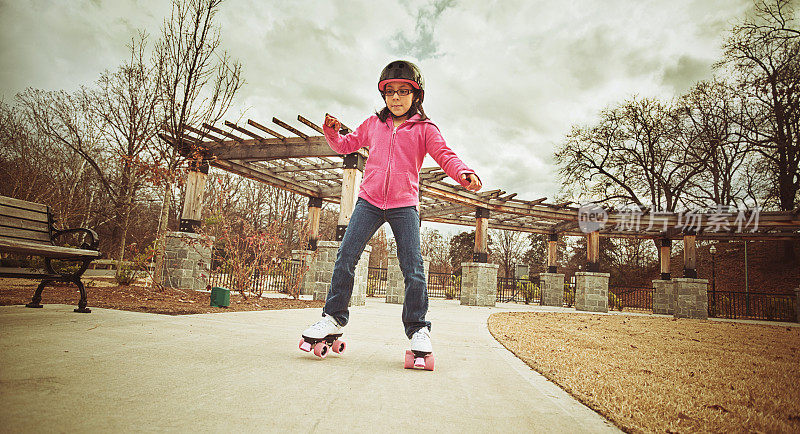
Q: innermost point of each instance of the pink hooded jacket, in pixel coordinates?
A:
(391, 174)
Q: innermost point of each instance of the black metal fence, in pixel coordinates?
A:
(376, 281)
(569, 294)
(752, 305)
(444, 285)
(518, 290)
(630, 298)
(282, 277)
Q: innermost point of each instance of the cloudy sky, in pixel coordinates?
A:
(505, 80)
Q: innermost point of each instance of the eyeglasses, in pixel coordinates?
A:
(401, 92)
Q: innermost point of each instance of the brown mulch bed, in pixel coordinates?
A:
(656, 374)
(105, 293)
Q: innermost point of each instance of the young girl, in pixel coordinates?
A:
(398, 136)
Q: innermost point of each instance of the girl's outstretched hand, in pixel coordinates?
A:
(332, 122)
(474, 182)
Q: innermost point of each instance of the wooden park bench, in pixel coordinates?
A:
(26, 228)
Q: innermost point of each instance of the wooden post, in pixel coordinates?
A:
(552, 254)
(664, 253)
(193, 200)
(689, 255)
(593, 251)
(351, 180)
(480, 253)
(314, 210)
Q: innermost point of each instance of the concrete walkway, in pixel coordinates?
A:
(242, 371)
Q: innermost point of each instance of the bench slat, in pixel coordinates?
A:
(24, 204)
(24, 235)
(13, 222)
(55, 252)
(9, 211)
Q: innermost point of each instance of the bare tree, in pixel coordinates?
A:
(712, 115)
(510, 247)
(197, 85)
(764, 51)
(637, 154)
(124, 105)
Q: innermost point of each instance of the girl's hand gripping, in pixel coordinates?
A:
(332, 122)
(474, 182)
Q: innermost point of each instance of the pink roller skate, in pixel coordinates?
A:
(321, 336)
(420, 356)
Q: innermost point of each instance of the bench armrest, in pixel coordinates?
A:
(95, 240)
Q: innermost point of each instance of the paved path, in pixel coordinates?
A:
(241, 371)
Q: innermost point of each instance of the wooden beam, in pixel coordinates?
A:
(242, 130)
(689, 256)
(248, 170)
(223, 133)
(269, 131)
(288, 127)
(310, 124)
(593, 251)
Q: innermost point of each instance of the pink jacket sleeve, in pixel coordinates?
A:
(349, 143)
(444, 156)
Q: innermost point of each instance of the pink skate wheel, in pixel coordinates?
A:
(305, 346)
(419, 362)
(338, 346)
(429, 363)
(409, 362)
(321, 350)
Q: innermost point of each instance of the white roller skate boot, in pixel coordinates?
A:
(420, 355)
(322, 335)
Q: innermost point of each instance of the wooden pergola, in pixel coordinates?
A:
(283, 156)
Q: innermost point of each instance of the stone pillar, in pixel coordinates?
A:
(591, 291)
(395, 286)
(187, 260)
(663, 297)
(691, 298)
(307, 258)
(395, 283)
(552, 289)
(478, 283)
(326, 258)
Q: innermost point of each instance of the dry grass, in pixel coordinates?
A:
(657, 374)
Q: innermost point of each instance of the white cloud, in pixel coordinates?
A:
(505, 79)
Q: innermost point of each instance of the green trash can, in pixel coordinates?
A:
(220, 297)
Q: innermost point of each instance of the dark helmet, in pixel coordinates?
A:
(407, 72)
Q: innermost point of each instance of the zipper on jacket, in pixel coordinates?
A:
(389, 163)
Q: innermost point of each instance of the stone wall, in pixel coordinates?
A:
(187, 260)
(323, 272)
(478, 284)
(691, 298)
(591, 291)
(551, 286)
(664, 297)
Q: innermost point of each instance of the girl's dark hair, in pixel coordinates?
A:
(416, 107)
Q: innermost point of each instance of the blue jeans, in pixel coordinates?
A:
(365, 221)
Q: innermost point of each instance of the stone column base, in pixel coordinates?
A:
(663, 297)
(478, 284)
(326, 259)
(591, 291)
(187, 260)
(307, 258)
(552, 289)
(395, 281)
(691, 298)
